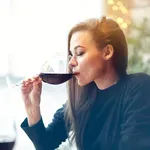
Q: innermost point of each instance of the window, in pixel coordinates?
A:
(32, 32)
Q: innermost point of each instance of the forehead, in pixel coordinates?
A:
(82, 38)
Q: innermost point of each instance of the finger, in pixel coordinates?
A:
(23, 83)
(35, 77)
(27, 84)
(39, 79)
(26, 88)
(28, 79)
(36, 80)
(37, 85)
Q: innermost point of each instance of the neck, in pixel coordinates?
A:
(107, 80)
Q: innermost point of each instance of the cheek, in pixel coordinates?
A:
(93, 68)
(86, 77)
(88, 73)
(90, 68)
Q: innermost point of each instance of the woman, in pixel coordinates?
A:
(107, 108)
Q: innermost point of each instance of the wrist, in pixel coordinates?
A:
(33, 116)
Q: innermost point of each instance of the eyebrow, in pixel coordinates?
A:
(76, 47)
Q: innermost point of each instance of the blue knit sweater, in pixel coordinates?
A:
(119, 119)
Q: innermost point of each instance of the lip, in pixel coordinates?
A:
(76, 73)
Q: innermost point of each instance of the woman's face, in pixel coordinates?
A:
(87, 62)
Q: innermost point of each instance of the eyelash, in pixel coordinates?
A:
(78, 54)
(81, 53)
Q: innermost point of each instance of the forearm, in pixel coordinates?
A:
(42, 138)
(33, 116)
(38, 135)
(46, 138)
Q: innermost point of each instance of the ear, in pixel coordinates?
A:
(108, 52)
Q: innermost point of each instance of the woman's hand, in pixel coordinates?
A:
(31, 94)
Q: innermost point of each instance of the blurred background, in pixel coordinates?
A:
(35, 31)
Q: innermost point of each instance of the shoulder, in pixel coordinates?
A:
(138, 81)
(139, 78)
(137, 89)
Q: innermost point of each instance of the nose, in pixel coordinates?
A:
(72, 62)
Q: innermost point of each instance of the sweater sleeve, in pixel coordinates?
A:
(47, 138)
(135, 129)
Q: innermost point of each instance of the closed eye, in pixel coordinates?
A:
(80, 54)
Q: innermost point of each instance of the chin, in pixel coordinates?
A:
(81, 83)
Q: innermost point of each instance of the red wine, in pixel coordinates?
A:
(55, 78)
(7, 145)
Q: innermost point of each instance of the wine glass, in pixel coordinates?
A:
(8, 132)
(49, 73)
(53, 76)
